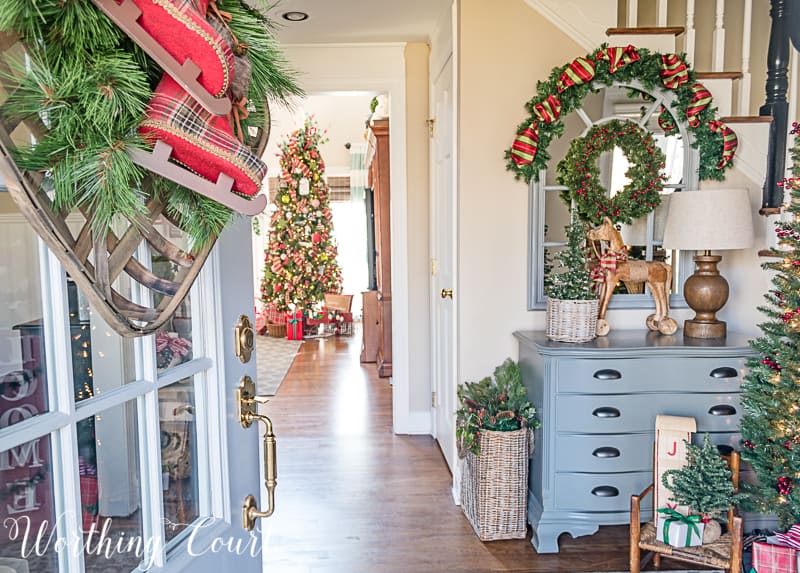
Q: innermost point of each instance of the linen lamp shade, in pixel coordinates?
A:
(712, 220)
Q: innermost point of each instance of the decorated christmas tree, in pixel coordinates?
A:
(300, 263)
(570, 279)
(771, 392)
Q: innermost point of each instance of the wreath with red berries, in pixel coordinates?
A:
(580, 174)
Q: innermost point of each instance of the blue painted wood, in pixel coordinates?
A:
(578, 453)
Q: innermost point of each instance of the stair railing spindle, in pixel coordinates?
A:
(745, 82)
(718, 50)
(689, 37)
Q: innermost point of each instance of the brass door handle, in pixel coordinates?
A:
(246, 401)
(447, 293)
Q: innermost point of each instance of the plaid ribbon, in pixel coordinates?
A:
(691, 522)
(729, 141)
(176, 112)
(578, 72)
(618, 57)
(674, 71)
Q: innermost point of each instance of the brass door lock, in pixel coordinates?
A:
(244, 339)
(246, 405)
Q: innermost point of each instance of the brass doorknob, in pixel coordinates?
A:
(447, 293)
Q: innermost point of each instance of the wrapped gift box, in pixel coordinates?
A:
(294, 326)
(678, 533)
(89, 501)
(771, 558)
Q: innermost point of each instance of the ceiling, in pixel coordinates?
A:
(345, 21)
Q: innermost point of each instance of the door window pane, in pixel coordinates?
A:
(174, 339)
(102, 360)
(179, 467)
(111, 501)
(26, 489)
(23, 376)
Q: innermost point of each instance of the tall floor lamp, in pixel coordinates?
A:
(711, 220)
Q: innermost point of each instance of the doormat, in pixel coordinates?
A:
(275, 357)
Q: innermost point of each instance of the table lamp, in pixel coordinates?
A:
(711, 220)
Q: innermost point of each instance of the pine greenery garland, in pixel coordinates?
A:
(570, 278)
(647, 72)
(704, 483)
(89, 85)
(770, 424)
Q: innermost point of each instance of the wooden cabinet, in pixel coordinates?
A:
(378, 181)
(598, 403)
(369, 344)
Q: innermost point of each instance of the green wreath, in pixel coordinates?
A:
(578, 171)
(563, 92)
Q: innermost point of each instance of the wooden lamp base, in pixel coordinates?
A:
(706, 292)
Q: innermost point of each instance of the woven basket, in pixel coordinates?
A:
(494, 485)
(571, 320)
(276, 330)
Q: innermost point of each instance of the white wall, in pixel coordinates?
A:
(341, 115)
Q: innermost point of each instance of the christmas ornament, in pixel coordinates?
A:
(304, 186)
(785, 485)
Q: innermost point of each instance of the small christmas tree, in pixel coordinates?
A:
(771, 392)
(300, 263)
(704, 483)
(571, 279)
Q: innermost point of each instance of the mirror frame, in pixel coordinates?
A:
(537, 191)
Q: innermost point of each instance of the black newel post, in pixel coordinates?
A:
(776, 104)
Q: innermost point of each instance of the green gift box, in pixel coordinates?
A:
(678, 530)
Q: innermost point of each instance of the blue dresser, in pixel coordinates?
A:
(598, 403)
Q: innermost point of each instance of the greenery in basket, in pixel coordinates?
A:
(497, 404)
(570, 279)
(704, 484)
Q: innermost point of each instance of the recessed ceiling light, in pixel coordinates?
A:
(294, 16)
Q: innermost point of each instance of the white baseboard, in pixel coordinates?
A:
(414, 423)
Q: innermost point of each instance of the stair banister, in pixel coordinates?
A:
(776, 104)
(746, 81)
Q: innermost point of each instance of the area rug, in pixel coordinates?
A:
(275, 357)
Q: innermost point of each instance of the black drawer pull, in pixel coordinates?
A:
(722, 410)
(607, 374)
(605, 491)
(606, 452)
(606, 412)
(724, 372)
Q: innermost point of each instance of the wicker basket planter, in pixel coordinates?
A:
(494, 485)
(276, 330)
(571, 320)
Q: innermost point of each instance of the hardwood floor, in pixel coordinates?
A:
(354, 498)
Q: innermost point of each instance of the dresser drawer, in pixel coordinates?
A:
(604, 453)
(598, 492)
(618, 376)
(617, 414)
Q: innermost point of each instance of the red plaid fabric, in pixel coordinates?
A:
(90, 507)
(769, 558)
(201, 141)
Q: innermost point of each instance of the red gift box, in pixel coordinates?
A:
(347, 316)
(317, 318)
(89, 501)
(294, 326)
(769, 558)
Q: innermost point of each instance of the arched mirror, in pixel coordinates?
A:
(549, 215)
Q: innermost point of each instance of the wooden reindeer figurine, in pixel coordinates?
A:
(616, 267)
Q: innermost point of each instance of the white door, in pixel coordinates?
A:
(121, 454)
(444, 294)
